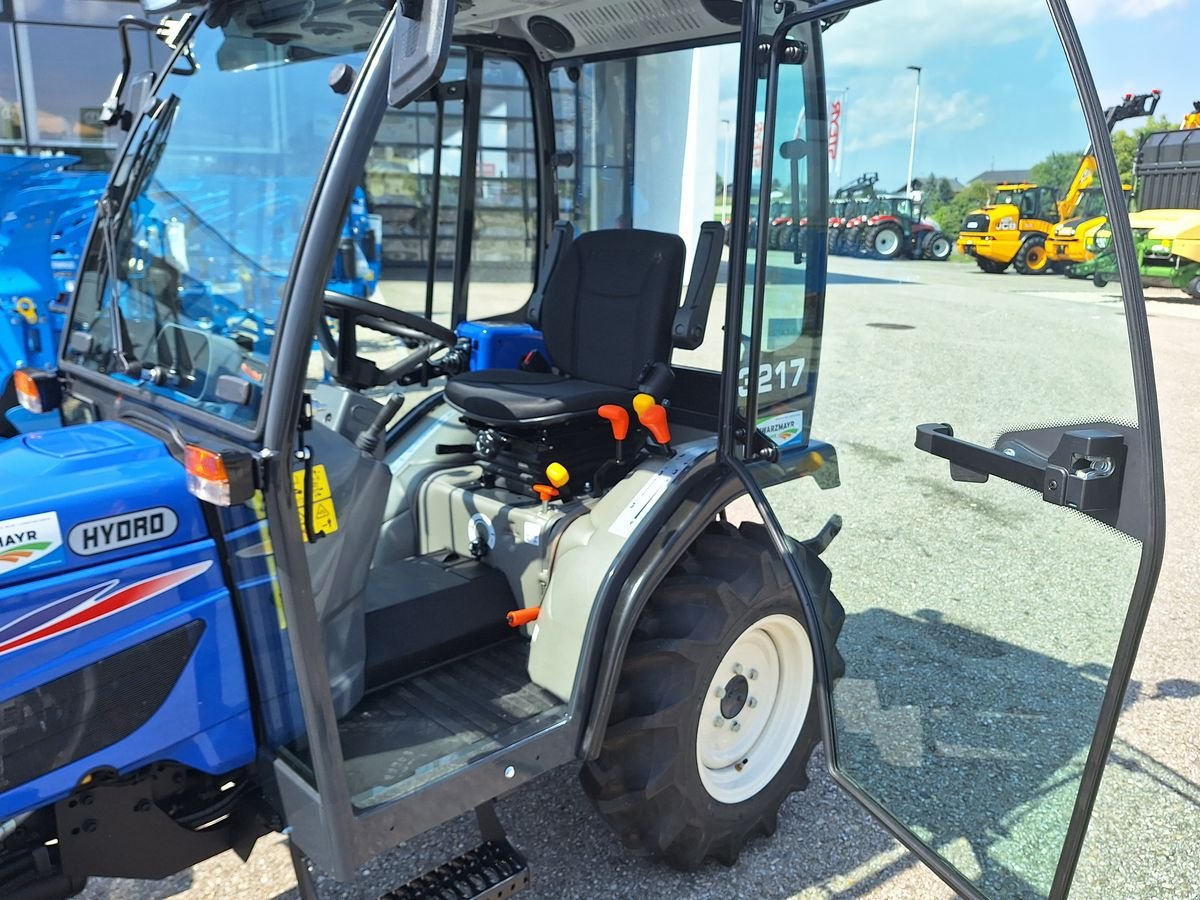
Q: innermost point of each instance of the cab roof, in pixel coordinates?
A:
(556, 29)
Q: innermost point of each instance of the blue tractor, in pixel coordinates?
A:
(349, 594)
(44, 200)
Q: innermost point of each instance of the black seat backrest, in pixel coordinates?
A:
(610, 303)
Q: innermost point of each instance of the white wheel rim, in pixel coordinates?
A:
(886, 242)
(941, 247)
(739, 754)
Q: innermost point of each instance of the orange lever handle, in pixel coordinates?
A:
(655, 418)
(546, 491)
(519, 617)
(618, 418)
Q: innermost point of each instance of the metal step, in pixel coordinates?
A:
(491, 871)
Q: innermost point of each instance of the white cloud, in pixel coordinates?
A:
(1086, 12)
(913, 31)
(877, 120)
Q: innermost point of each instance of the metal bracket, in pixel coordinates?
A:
(1084, 472)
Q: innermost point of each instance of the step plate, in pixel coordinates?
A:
(491, 871)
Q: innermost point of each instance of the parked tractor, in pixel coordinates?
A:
(895, 227)
(44, 199)
(290, 559)
(1014, 228)
(849, 205)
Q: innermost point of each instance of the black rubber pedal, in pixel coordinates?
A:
(493, 870)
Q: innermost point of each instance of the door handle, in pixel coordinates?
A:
(1084, 472)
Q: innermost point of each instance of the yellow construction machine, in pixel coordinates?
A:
(1015, 227)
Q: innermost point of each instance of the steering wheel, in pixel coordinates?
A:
(421, 336)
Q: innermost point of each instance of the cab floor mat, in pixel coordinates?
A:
(419, 729)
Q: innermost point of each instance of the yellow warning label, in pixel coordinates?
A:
(324, 515)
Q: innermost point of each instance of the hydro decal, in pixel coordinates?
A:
(88, 606)
(125, 530)
(29, 540)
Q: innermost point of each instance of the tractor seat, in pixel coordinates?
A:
(606, 316)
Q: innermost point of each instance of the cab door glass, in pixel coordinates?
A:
(983, 616)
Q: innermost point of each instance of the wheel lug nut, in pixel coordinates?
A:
(753, 673)
(735, 726)
(720, 693)
(752, 702)
(737, 668)
(719, 722)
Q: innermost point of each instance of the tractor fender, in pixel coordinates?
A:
(706, 490)
(695, 501)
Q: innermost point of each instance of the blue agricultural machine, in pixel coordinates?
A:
(236, 599)
(48, 209)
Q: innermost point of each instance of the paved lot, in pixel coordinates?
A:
(950, 359)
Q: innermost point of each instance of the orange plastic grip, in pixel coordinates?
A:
(519, 617)
(618, 418)
(546, 491)
(655, 418)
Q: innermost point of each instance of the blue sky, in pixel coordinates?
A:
(995, 89)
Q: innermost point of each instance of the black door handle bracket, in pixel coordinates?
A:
(1084, 472)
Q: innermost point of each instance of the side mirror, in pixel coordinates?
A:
(420, 43)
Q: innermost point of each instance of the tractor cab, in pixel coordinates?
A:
(347, 550)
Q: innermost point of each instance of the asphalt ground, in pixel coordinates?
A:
(981, 623)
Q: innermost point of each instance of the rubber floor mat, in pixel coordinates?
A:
(419, 729)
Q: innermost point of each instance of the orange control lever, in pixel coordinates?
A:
(546, 491)
(519, 617)
(618, 418)
(655, 418)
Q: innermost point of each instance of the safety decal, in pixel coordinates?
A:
(29, 540)
(324, 515)
(90, 605)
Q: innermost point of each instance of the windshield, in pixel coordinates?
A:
(208, 204)
(1008, 197)
(1091, 204)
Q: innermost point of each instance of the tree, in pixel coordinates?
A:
(950, 215)
(1057, 171)
(937, 190)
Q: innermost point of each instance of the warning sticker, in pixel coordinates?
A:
(324, 515)
(652, 491)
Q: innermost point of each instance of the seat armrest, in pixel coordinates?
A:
(687, 333)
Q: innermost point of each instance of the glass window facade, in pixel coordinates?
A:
(58, 59)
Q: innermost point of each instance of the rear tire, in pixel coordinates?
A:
(937, 247)
(1193, 288)
(1031, 259)
(884, 241)
(722, 640)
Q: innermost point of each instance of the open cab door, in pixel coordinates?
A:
(997, 442)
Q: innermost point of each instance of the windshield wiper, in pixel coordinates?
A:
(125, 185)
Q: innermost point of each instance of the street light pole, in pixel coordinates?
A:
(912, 147)
(725, 175)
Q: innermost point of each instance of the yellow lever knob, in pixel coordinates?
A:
(557, 474)
(641, 403)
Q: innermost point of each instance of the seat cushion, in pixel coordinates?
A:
(504, 396)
